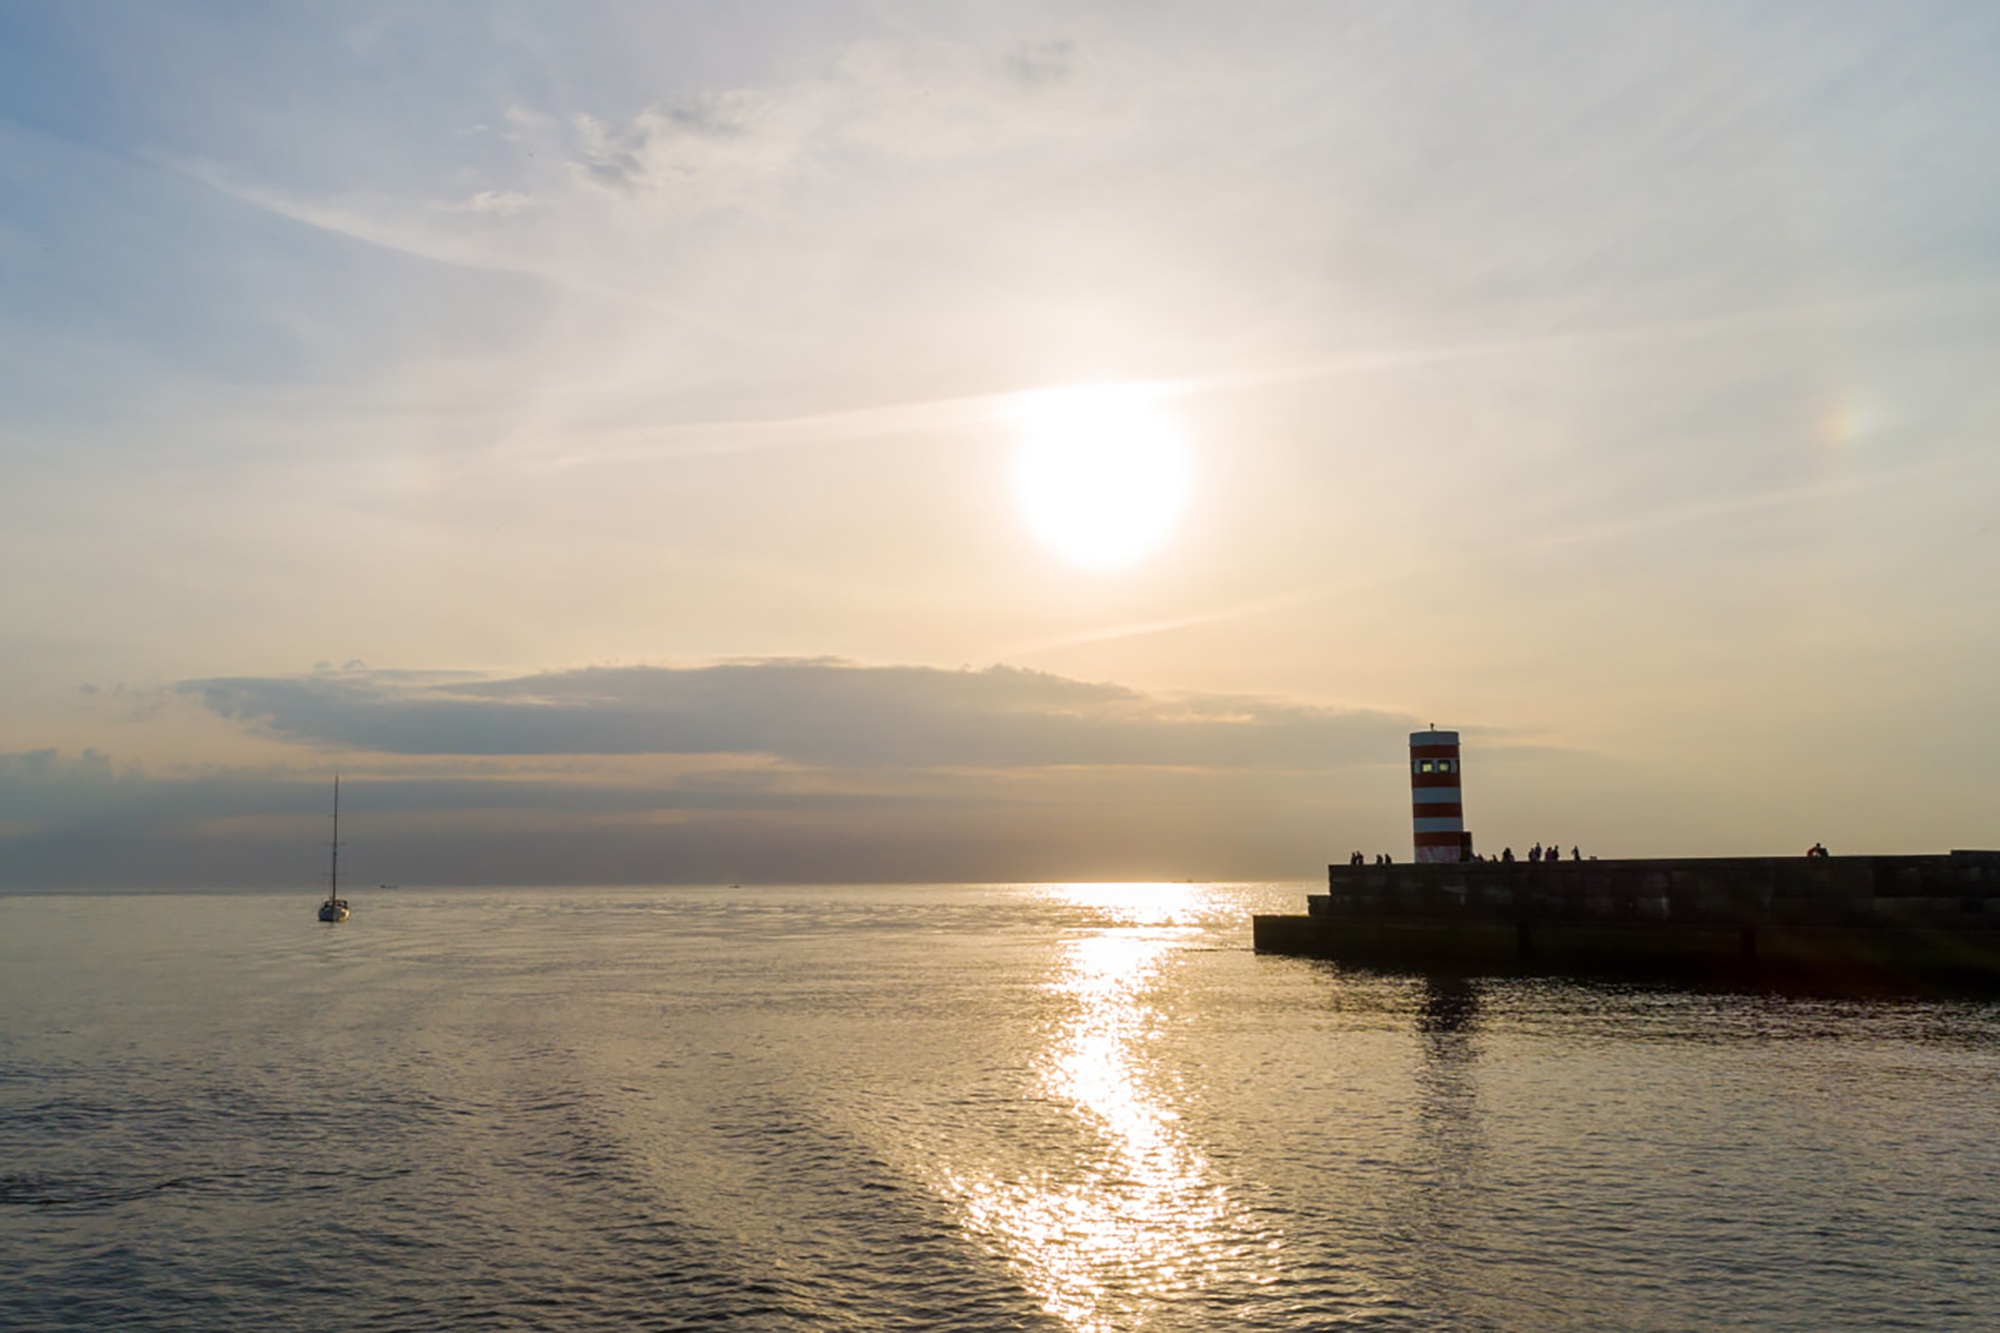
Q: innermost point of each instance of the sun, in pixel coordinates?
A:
(1101, 471)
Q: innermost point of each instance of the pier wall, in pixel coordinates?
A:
(1842, 918)
(1961, 889)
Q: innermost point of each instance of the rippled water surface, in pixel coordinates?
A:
(1049, 1107)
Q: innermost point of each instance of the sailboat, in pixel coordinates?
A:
(335, 906)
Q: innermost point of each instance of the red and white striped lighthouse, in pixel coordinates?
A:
(1436, 807)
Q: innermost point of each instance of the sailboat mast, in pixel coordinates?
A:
(333, 867)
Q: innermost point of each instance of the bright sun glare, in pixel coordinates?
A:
(1101, 471)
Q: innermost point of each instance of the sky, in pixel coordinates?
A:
(655, 443)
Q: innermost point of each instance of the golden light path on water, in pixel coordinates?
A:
(1132, 1218)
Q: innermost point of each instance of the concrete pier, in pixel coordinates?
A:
(1835, 922)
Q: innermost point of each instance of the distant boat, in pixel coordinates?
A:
(335, 906)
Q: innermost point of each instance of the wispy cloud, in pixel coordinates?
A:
(489, 203)
(1256, 606)
(707, 151)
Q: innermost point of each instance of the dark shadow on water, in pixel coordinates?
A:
(1450, 1005)
(1443, 982)
(1446, 1081)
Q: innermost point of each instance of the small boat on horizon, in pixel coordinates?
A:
(334, 909)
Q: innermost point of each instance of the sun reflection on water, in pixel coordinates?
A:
(1128, 1216)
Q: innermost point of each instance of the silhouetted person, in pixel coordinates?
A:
(1535, 852)
(1576, 853)
(1355, 859)
(1817, 849)
(1506, 853)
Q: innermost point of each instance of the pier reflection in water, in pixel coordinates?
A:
(1130, 1217)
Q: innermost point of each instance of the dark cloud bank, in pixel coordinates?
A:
(797, 771)
(816, 712)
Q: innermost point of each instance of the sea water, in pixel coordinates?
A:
(1006, 1107)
